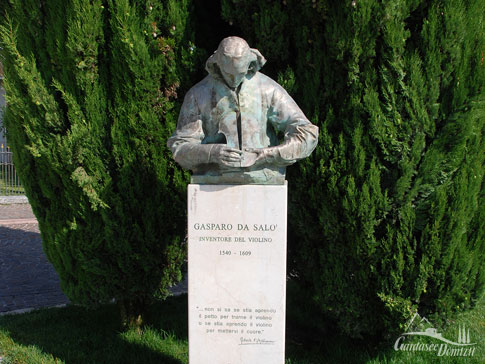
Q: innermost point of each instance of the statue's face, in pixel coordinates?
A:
(234, 69)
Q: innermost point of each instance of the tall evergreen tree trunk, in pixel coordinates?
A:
(132, 313)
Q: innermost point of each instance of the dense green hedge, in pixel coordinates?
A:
(91, 91)
(387, 215)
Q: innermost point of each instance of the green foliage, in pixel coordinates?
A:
(74, 335)
(387, 215)
(92, 98)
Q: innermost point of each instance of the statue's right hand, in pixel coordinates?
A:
(225, 156)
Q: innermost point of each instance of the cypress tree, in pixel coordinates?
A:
(386, 217)
(92, 97)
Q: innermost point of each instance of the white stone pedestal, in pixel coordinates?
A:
(237, 274)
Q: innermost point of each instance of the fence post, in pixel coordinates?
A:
(10, 184)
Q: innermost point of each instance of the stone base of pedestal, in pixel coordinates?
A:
(237, 274)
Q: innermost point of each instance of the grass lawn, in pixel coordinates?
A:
(74, 335)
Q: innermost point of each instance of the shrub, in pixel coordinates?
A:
(386, 217)
(92, 97)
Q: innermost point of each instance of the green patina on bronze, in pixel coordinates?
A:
(228, 126)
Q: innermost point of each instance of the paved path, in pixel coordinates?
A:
(27, 279)
(15, 212)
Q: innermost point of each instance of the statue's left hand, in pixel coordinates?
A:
(263, 155)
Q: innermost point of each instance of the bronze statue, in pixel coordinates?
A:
(228, 127)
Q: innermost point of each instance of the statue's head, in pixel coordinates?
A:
(234, 61)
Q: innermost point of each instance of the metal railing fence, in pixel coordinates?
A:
(10, 184)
